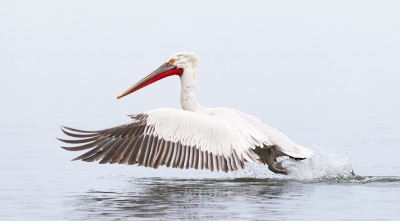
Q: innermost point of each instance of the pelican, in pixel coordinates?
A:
(195, 137)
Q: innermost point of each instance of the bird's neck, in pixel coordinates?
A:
(188, 84)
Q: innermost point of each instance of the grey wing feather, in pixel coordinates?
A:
(134, 143)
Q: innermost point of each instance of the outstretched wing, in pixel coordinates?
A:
(175, 138)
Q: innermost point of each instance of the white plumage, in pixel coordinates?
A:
(220, 131)
(197, 137)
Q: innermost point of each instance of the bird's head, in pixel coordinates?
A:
(184, 60)
(175, 65)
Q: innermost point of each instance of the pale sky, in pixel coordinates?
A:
(299, 66)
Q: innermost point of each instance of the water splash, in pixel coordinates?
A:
(252, 171)
(325, 165)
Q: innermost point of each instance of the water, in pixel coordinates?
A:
(250, 199)
(39, 182)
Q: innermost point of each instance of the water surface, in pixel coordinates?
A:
(41, 183)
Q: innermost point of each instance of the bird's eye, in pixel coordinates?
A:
(172, 61)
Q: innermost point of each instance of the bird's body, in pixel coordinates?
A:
(195, 137)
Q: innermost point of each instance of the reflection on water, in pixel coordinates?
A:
(217, 199)
(192, 199)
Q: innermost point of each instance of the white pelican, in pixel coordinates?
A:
(195, 137)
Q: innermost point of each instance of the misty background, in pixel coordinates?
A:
(323, 72)
(326, 73)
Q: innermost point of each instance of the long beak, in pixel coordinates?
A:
(163, 71)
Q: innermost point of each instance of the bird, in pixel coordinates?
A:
(215, 139)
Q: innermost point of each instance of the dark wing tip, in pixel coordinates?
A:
(67, 148)
(78, 141)
(80, 131)
(75, 159)
(62, 140)
(81, 135)
(62, 129)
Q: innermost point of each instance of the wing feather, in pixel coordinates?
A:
(110, 154)
(238, 160)
(82, 131)
(210, 162)
(103, 152)
(182, 160)
(160, 155)
(219, 160)
(140, 142)
(142, 150)
(187, 157)
(85, 146)
(200, 160)
(120, 153)
(78, 135)
(94, 150)
(229, 164)
(149, 151)
(165, 155)
(106, 154)
(178, 155)
(128, 151)
(136, 151)
(194, 157)
(223, 164)
(155, 150)
(234, 163)
(205, 159)
(171, 154)
(215, 162)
